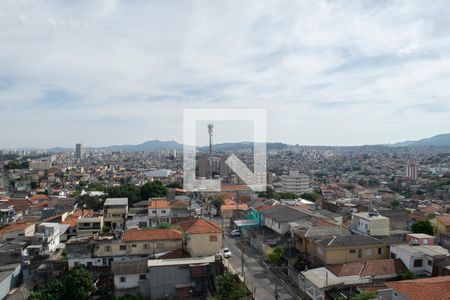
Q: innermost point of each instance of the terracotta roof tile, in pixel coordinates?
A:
(234, 207)
(151, 235)
(445, 219)
(158, 203)
(200, 226)
(434, 288)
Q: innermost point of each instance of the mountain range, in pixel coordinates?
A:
(440, 140)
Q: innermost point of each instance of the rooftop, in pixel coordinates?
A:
(116, 202)
(421, 249)
(351, 240)
(200, 226)
(151, 234)
(434, 288)
(180, 261)
(158, 203)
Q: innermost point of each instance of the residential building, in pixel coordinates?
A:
(89, 225)
(201, 237)
(370, 223)
(443, 223)
(129, 276)
(159, 211)
(9, 278)
(304, 237)
(237, 211)
(346, 249)
(316, 283)
(435, 288)
(115, 212)
(15, 230)
(420, 259)
(7, 213)
(51, 233)
(279, 218)
(419, 239)
(411, 170)
(295, 182)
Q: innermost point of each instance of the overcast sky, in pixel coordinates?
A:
(121, 72)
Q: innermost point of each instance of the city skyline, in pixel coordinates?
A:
(328, 73)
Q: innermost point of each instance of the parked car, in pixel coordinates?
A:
(226, 253)
(235, 232)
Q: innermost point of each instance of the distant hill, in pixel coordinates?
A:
(154, 145)
(242, 147)
(437, 140)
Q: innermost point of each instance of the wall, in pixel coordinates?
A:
(131, 281)
(343, 255)
(141, 247)
(200, 244)
(164, 279)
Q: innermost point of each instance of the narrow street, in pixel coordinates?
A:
(259, 278)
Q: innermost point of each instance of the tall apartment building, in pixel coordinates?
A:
(412, 170)
(295, 182)
(78, 150)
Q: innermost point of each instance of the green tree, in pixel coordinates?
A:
(153, 189)
(269, 193)
(276, 255)
(78, 284)
(164, 225)
(54, 290)
(395, 203)
(407, 275)
(91, 202)
(365, 296)
(129, 191)
(230, 287)
(289, 195)
(217, 202)
(310, 196)
(422, 227)
(175, 185)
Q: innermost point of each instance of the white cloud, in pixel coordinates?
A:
(333, 72)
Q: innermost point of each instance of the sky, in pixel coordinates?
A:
(121, 72)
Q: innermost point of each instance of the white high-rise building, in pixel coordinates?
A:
(412, 170)
(296, 182)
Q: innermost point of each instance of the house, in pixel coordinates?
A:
(138, 215)
(304, 237)
(345, 249)
(102, 250)
(316, 282)
(7, 213)
(159, 212)
(279, 217)
(115, 212)
(237, 211)
(435, 288)
(443, 223)
(180, 207)
(398, 218)
(181, 278)
(128, 276)
(89, 224)
(9, 278)
(420, 259)
(201, 237)
(370, 223)
(15, 230)
(420, 239)
(51, 234)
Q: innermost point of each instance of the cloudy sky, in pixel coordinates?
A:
(120, 72)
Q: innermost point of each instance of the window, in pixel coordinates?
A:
(154, 211)
(142, 277)
(123, 279)
(123, 247)
(359, 253)
(366, 226)
(213, 238)
(133, 245)
(393, 255)
(146, 246)
(380, 250)
(352, 251)
(107, 248)
(163, 211)
(417, 263)
(425, 241)
(429, 262)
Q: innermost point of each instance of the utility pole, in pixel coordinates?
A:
(242, 256)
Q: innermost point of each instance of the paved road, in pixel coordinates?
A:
(257, 273)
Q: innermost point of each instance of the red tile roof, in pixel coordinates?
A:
(14, 227)
(444, 219)
(379, 267)
(195, 226)
(229, 207)
(151, 235)
(158, 203)
(71, 220)
(234, 187)
(434, 288)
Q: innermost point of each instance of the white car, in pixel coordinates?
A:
(226, 253)
(235, 232)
